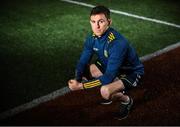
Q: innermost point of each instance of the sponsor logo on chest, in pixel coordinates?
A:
(96, 49)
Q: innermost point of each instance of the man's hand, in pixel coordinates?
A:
(75, 85)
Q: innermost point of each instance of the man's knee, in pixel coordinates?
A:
(105, 93)
(95, 72)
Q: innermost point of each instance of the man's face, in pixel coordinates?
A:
(99, 24)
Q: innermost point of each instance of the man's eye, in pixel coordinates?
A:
(101, 21)
(93, 21)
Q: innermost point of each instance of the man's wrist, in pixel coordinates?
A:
(81, 85)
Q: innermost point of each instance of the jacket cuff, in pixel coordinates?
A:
(91, 84)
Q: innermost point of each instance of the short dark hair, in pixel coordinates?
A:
(101, 9)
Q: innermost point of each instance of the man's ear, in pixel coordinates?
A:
(110, 22)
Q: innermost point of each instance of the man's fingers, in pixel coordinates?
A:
(70, 81)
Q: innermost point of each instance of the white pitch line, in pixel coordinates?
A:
(159, 52)
(34, 103)
(126, 14)
(66, 90)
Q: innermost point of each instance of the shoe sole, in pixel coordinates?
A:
(117, 118)
(106, 103)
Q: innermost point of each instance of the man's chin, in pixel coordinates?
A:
(98, 34)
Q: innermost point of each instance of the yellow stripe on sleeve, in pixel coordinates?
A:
(92, 84)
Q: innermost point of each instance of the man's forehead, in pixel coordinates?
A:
(98, 16)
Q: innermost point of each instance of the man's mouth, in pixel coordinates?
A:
(98, 31)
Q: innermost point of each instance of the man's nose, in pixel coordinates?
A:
(97, 25)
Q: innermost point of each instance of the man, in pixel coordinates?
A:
(117, 68)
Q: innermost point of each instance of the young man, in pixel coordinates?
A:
(117, 68)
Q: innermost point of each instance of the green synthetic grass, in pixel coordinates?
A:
(167, 10)
(41, 41)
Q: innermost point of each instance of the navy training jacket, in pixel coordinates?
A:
(115, 55)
